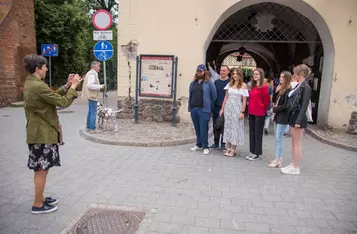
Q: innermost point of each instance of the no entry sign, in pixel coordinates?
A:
(102, 20)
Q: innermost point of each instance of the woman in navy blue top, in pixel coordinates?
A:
(202, 96)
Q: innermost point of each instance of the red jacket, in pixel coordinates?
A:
(259, 101)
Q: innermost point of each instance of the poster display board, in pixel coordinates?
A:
(156, 76)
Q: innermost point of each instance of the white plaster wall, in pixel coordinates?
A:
(182, 28)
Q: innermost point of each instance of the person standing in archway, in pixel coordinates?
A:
(221, 93)
(298, 104)
(270, 83)
(201, 98)
(259, 100)
(234, 108)
(280, 116)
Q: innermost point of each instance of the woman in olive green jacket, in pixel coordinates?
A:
(42, 128)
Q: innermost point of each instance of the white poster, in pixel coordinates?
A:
(156, 76)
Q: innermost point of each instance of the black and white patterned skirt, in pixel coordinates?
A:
(43, 156)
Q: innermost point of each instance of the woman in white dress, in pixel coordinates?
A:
(233, 109)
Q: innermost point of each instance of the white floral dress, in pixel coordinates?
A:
(233, 125)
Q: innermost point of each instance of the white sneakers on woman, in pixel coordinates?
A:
(290, 170)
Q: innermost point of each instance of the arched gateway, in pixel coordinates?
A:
(278, 34)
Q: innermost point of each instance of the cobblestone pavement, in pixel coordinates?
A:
(189, 192)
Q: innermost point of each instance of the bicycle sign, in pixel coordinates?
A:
(103, 50)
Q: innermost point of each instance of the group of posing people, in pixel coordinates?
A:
(225, 99)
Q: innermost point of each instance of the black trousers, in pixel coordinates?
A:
(256, 127)
(217, 132)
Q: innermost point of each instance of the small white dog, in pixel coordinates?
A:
(107, 117)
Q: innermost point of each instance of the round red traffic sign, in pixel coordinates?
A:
(102, 20)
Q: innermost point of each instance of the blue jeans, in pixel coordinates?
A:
(279, 135)
(200, 121)
(287, 129)
(92, 114)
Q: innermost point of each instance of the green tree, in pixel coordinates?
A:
(68, 24)
(64, 23)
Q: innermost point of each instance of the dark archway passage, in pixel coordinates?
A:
(276, 36)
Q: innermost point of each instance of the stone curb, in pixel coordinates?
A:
(98, 139)
(17, 104)
(314, 134)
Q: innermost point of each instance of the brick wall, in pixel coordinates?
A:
(18, 38)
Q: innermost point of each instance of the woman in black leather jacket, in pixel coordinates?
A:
(298, 103)
(281, 118)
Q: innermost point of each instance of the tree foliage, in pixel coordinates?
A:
(67, 23)
(64, 23)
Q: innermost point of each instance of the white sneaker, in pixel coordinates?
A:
(254, 157)
(206, 151)
(290, 170)
(195, 148)
(249, 156)
(287, 167)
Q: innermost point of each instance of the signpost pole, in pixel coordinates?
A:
(174, 108)
(50, 71)
(105, 86)
(136, 106)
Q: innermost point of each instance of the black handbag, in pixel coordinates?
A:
(219, 124)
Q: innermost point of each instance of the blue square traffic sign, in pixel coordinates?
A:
(49, 50)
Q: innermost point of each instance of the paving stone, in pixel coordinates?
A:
(299, 213)
(307, 230)
(342, 225)
(276, 211)
(283, 229)
(194, 230)
(221, 231)
(322, 215)
(263, 204)
(208, 206)
(165, 227)
(345, 217)
(207, 222)
(231, 224)
(253, 210)
(335, 231)
(320, 223)
(257, 227)
(231, 208)
(185, 220)
(284, 205)
(162, 217)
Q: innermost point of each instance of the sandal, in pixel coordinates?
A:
(232, 153)
(227, 153)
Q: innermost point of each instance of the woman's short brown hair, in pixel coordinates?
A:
(32, 61)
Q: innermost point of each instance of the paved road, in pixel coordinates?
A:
(189, 192)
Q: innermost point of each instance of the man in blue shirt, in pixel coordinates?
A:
(221, 92)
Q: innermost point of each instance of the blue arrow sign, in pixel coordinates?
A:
(103, 50)
(49, 50)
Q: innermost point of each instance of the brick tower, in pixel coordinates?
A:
(18, 38)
